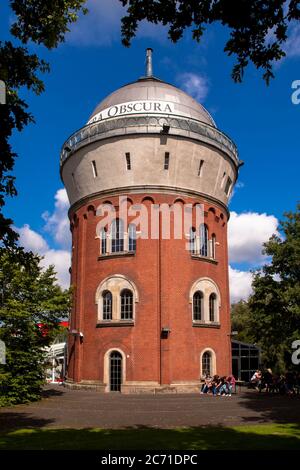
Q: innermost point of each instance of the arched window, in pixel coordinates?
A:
(212, 307)
(117, 235)
(126, 305)
(132, 237)
(192, 240)
(103, 241)
(197, 306)
(115, 371)
(107, 305)
(206, 363)
(203, 240)
(213, 246)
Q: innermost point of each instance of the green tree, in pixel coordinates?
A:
(275, 303)
(258, 28)
(43, 23)
(240, 321)
(31, 305)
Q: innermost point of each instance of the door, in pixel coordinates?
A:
(115, 371)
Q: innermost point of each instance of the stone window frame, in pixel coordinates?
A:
(207, 286)
(213, 361)
(115, 284)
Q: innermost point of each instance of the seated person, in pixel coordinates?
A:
(207, 384)
(230, 381)
(256, 379)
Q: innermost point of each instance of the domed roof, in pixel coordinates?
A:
(151, 90)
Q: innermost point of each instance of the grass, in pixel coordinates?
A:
(260, 437)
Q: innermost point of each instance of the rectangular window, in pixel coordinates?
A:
(167, 160)
(94, 167)
(128, 162)
(228, 186)
(223, 180)
(200, 168)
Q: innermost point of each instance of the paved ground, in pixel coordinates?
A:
(66, 408)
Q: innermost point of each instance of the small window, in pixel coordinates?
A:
(128, 161)
(103, 241)
(213, 246)
(197, 306)
(212, 307)
(117, 236)
(94, 168)
(107, 305)
(126, 305)
(132, 237)
(228, 186)
(167, 160)
(203, 240)
(200, 168)
(223, 180)
(192, 240)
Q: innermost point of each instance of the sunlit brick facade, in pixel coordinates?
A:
(150, 312)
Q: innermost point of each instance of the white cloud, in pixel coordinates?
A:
(57, 223)
(195, 85)
(240, 284)
(32, 240)
(246, 234)
(61, 259)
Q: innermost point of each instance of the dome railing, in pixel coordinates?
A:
(149, 124)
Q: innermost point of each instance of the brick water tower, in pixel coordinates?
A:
(151, 308)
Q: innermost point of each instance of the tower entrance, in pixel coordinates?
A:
(115, 371)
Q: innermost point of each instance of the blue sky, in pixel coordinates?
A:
(92, 63)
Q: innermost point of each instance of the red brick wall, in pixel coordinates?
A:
(163, 272)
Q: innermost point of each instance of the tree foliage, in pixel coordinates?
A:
(275, 303)
(240, 321)
(31, 305)
(43, 23)
(258, 28)
(271, 318)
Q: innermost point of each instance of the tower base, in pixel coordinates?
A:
(129, 388)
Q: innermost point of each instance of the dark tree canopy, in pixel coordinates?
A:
(250, 23)
(271, 317)
(43, 23)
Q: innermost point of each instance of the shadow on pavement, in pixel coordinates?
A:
(10, 420)
(271, 408)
